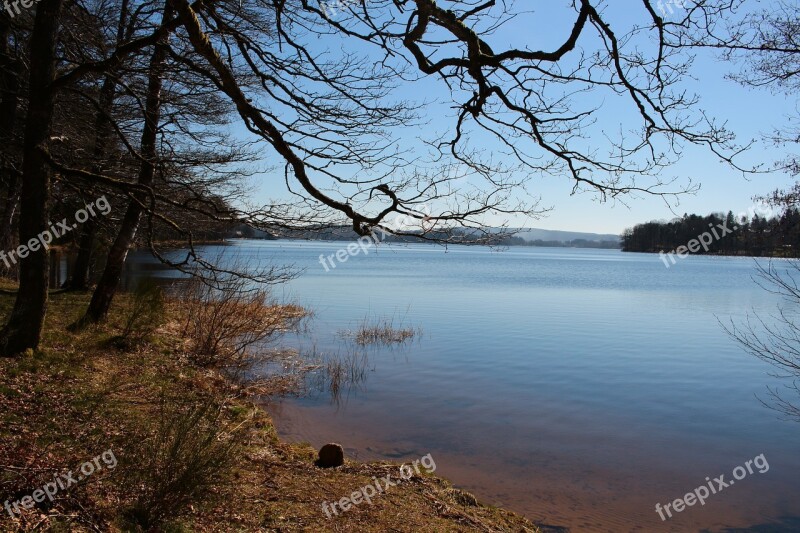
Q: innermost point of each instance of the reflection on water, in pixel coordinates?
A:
(578, 387)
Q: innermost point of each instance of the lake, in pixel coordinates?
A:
(577, 387)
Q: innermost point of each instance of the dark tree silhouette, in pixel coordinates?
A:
(320, 92)
(764, 44)
(778, 236)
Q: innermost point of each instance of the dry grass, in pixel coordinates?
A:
(75, 398)
(342, 374)
(382, 331)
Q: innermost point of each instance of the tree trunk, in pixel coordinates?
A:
(24, 327)
(9, 100)
(79, 280)
(79, 276)
(109, 281)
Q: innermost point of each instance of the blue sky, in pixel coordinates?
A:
(749, 113)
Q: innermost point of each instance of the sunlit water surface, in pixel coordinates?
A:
(577, 387)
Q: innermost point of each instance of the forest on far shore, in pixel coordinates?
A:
(777, 236)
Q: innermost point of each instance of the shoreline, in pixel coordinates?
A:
(78, 396)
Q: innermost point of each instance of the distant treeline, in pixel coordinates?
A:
(757, 236)
(346, 233)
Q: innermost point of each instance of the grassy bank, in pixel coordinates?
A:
(192, 451)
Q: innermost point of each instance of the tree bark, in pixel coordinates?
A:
(107, 286)
(9, 102)
(24, 327)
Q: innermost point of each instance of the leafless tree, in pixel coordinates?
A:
(533, 104)
(776, 339)
(764, 43)
(322, 92)
(12, 72)
(763, 46)
(24, 326)
(103, 134)
(103, 295)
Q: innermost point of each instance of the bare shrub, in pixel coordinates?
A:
(176, 463)
(226, 324)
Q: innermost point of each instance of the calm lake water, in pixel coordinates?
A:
(576, 387)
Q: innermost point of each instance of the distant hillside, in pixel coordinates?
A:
(535, 234)
(524, 237)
